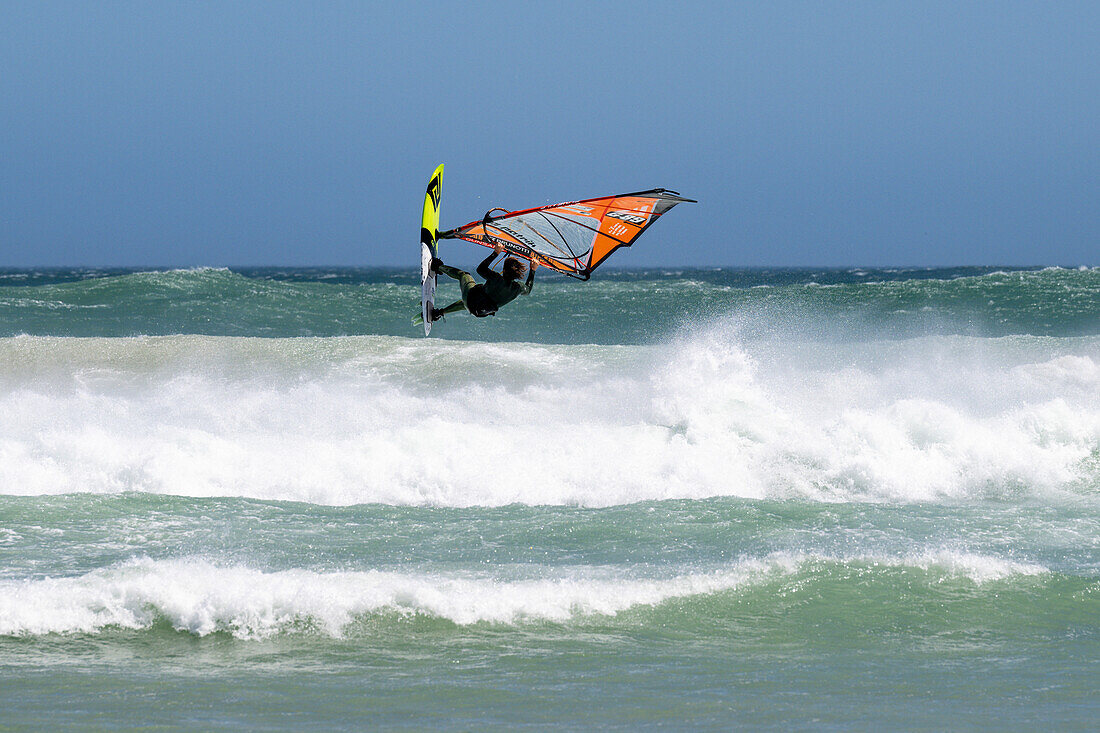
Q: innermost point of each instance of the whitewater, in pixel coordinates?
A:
(707, 496)
(377, 419)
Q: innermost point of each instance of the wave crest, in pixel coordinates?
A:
(201, 598)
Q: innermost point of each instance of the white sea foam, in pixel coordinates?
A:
(199, 597)
(399, 421)
(202, 598)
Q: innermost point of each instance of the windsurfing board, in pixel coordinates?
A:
(429, 232)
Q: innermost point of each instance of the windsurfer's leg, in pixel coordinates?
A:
(454, 307)
(451, 271)
(466, 282)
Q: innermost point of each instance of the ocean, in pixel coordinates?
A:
(260, 499)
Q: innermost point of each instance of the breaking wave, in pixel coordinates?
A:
(199, 597)
(376, 419)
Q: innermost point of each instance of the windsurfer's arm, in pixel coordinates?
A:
(483, 269)
(530, 277)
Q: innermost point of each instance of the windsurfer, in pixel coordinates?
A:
(498, 290)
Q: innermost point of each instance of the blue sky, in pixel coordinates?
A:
(249, 133)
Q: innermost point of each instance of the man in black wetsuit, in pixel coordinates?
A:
(498, 290)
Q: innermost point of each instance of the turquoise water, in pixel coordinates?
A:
(789, 498)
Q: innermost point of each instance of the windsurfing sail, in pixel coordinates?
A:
(574, 237)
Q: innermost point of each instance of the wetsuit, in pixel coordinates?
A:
(485, 300)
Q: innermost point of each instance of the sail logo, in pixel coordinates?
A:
(628, 216)
(618, 230)
(519, 237)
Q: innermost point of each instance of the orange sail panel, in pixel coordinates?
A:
(573, 237)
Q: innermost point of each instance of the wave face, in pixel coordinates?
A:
(671, 498)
